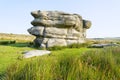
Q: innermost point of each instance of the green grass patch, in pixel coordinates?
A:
(69, 64)
(10, 54)
(74, 62)
(82, 45)
(44, 64)
(5, 42)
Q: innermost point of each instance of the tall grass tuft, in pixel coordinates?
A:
(75, 45)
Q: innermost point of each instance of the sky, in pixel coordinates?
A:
(15, 15)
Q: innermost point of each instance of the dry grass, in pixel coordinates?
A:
(17, 37)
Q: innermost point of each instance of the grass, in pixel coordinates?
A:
(74, 62)
(69, 64)
(44, 64)
(17, 37)
(82, 45)
(10, 54)
(3, 42)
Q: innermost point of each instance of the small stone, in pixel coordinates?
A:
(33, 53)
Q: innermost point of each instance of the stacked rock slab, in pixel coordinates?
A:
(55, 28)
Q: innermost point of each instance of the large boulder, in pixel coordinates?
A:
(58, 28)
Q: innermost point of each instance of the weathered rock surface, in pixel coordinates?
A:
(58, 28)
(102, 45)
(33, 53)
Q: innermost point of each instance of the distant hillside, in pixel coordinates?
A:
(113, 38)
(106, 38)
(17, 37)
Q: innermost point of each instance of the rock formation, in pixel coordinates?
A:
(55, 28)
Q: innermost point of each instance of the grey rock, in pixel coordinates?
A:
(54, 32)
(71, 41)
(81, 40)
(37, 31)
(96, 46)
(73, 34)
(102, 45)
(56, 42)
(38, 41)
(57, 19)
(86, 24)
(56, 28)
(75, 41)
(43, 46)
(33, 53)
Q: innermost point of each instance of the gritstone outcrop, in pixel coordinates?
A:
(55, 28)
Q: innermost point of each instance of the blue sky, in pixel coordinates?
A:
(15, 15)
